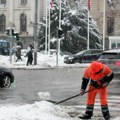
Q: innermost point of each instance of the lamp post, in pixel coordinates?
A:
(103, 24)
(10, 45)
(58, 39)
(46, 30)
(35, 33)
(9, 33)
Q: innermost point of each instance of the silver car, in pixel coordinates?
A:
(112, 59)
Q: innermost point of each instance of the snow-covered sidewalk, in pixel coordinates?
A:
(43, 61)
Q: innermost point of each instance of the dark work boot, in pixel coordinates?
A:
(105, 112)
(85, 117)
(107, 117)
(89, 112)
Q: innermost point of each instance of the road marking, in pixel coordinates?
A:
(113, 101)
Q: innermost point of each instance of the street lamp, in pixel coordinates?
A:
(35, 33)
(10, 32)
(104, 24)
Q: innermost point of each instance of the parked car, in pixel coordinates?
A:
(112, 59)
(85, 56)
(110, 56)
(1, 51)
(4, 47)
(6, 77)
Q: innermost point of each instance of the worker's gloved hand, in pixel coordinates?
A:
(82, 92)
(103, 80)
(105, 84)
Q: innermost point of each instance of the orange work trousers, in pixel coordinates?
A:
(92, 95)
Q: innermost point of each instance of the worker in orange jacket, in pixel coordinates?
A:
(98, 76)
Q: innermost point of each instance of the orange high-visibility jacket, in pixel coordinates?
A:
(101, 70)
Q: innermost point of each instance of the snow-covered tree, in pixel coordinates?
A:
(74, 24)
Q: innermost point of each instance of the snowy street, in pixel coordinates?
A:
(60, 84)
(21, 100)
(59, 59)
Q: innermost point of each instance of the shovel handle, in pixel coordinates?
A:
(74, 96)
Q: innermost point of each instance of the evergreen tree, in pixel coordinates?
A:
(74, 24)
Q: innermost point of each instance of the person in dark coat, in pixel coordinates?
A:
(18, 54)
(29, 55)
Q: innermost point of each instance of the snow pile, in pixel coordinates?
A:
(42, 110)
(43, 61)
(44, 95)
(38, 111)
(118, 118)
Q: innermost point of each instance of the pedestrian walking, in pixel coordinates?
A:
(29, 55)
(18, 53)
(98, 76)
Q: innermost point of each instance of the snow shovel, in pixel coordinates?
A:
(77, 95)
(46, 96)
(74, 96)
(58, 102)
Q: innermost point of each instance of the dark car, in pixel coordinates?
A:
(6, 77)
(85, 56)
(110, 56)
(112, 59)
(1, 51)
(4, 47)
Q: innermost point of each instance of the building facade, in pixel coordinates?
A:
(20, 15)
(112, 18)
(112, 14)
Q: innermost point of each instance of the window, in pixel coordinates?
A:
(2, 1)
(110, 56)
(110, 26)
(87, 53)
(4, 44)
(96, 51)
(113, 45)
(23, 23)
(2, 23)
(23, 2)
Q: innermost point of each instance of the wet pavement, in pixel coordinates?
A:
(60, 83)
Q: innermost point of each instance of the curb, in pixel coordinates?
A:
(46, 68)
